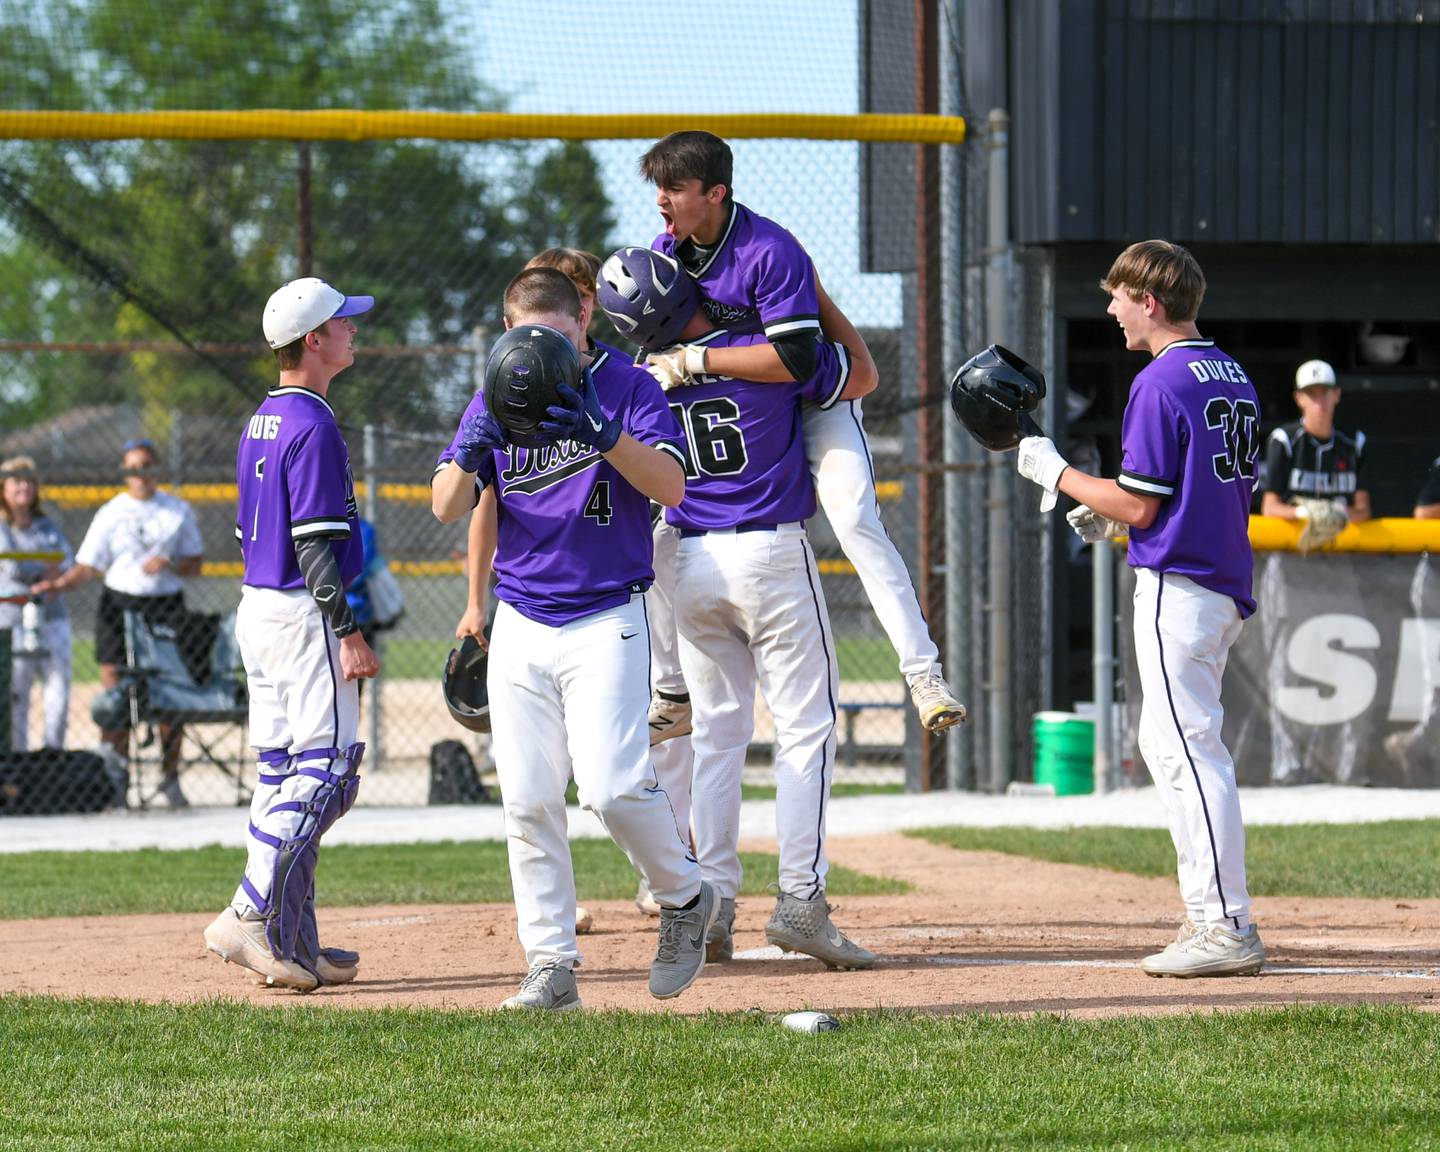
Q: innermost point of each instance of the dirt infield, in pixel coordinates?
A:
(981, 932)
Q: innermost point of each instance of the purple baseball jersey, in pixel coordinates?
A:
(745, 442)
(1190, 435)
(574, 537)
(293, 472)
(757, 277)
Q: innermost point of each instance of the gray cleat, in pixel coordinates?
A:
(720, 940)
(683, 934)
(547, 987)
(238, 939)
(805, 926)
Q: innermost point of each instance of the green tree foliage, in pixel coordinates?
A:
(139, 240)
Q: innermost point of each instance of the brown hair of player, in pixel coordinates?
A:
(1166, 271)
(541, 291)
(580, 266)
(689, 155)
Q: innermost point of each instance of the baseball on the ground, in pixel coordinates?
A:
(583, 920)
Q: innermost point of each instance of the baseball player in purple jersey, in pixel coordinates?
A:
(569, 665)
(1189, 438)
(299, 534)
(748, 600)
(755, 277)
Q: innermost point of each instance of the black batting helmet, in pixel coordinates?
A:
(993, 394)
(523, 374)
(464, 685)
(647, 295)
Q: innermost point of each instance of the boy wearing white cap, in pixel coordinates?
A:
(1310, 462)
(299, 532)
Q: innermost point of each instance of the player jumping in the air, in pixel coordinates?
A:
(299, 532)
(1189, 440)
(569, 664)
(755, 277)
(748, 600)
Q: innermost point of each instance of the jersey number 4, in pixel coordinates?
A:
(1238, 423)
(714, 442)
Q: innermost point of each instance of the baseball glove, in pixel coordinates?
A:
(1324, 520)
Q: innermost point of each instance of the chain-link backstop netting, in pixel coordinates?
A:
(137, 268)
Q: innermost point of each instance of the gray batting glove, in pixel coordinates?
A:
(1091, 527)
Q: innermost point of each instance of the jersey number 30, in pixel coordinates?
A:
(1238, 423)
(714, 442)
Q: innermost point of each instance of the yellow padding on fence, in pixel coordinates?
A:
(234, 569)
(93, 495)
(1270, 534)
(353, 124)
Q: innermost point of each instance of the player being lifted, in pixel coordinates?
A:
(754, 277)
(568, 675)
(299, 532)
(1189, 439)
(748, 599)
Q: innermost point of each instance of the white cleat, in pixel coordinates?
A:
(936, 704)
(241, 940)
(1210, 951)
(668, 719)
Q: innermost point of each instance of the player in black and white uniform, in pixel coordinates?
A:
(1311, 459)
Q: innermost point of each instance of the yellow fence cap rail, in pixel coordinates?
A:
(358, 124)
(1271, 534)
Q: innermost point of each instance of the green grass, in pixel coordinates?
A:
(422, 658)
(86, 1074)
(1394, 859)
(38, 884)
(417, 658)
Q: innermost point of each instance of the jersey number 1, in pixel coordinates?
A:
(259, 475)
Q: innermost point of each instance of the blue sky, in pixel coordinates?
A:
(634, 56)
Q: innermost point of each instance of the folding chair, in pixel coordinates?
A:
(186, 676)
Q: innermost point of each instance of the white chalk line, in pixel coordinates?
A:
(770, 952)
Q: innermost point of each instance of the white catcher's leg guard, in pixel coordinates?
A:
(839, 459)
(314, 788)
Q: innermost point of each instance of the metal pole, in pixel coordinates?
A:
(1002, 466)
(1102, 622)
(959, 511)
(929, 261)
(372, 740)
(304, 218)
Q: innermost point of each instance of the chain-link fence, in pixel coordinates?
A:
(137, 269)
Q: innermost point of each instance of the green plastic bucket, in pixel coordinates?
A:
(1065, 752)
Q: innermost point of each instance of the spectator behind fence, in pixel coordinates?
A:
(143, 542)
(1313, 470)
(1427, 504)
(42, 653)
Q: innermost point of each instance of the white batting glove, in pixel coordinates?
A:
(1091, 527)
(676, 366)
(1039, 460)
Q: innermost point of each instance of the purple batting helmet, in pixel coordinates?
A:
(647, 295)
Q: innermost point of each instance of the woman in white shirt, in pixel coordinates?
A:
(24, 527)
(143, 543)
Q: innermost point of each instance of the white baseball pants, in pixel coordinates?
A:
(840, 462)
(577, 698)
(53, 672)
(665, 672)
(753, 610)
(299, 700)
(1183, 634)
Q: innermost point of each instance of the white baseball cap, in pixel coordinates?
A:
(1314, 374)
(303, 305)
